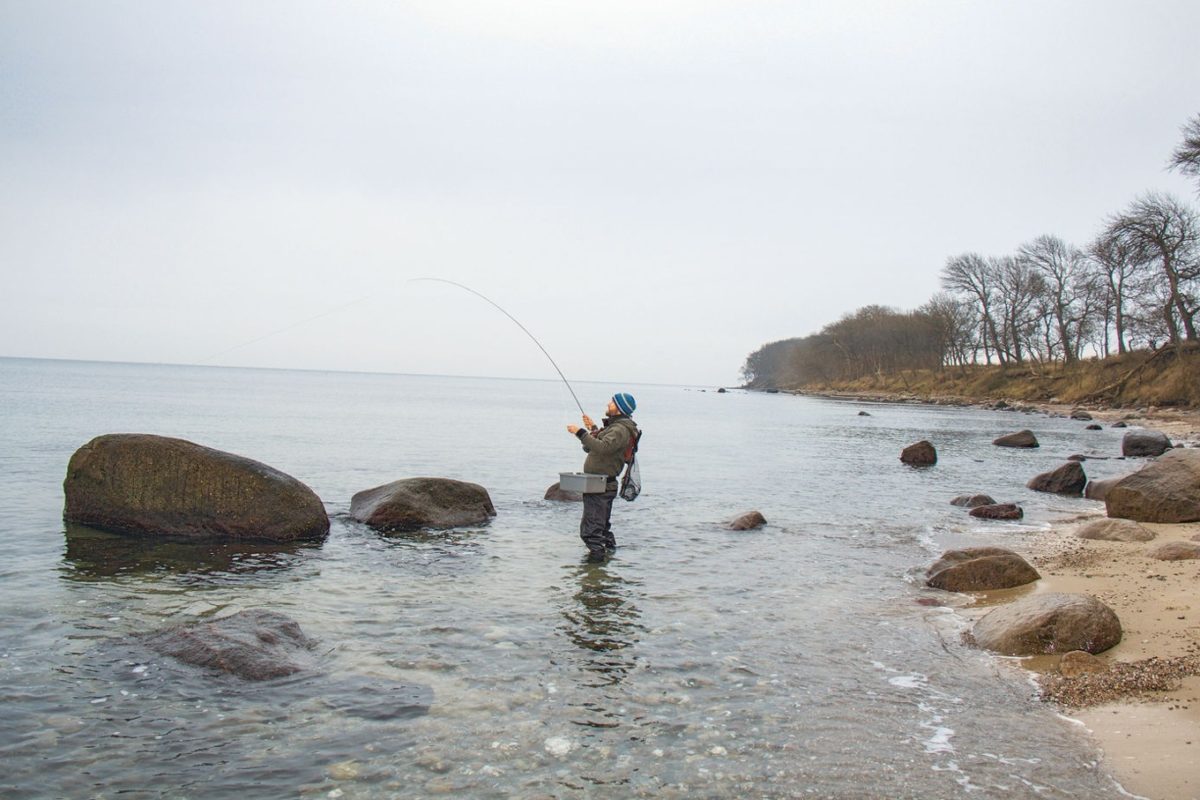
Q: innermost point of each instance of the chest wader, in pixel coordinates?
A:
(596, 526)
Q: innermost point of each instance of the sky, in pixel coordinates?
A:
(654, 189)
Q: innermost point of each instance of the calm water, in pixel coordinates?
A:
(791, 661)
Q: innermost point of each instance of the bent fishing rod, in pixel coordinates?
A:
(517, 322)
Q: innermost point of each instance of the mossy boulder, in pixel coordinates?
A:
(148, 485)
(415, 503)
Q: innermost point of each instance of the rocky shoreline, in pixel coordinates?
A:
(1139, 698)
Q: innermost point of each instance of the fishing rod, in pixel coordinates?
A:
(519, 325)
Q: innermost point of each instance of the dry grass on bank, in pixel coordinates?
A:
(1162, 378)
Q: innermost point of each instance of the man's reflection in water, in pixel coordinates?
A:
(603, 622)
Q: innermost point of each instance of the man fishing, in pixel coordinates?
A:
(607, 449)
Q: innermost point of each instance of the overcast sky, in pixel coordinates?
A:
(653, 188)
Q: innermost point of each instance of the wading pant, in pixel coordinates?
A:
(595, 529)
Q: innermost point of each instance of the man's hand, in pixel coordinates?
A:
(572, 429)
(587, 422)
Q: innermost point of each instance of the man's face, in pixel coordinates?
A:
(612, 409)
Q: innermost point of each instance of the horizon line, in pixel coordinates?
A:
(345, 371)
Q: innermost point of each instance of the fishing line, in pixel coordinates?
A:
(304, 321)
(519, 325)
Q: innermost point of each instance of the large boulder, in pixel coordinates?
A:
(748, 521)
(1115, 530)
(973, 500)
(415, 503)
(1049, 623)
(158, 486)
(253, 644)
(561, 495)
(1023, 438)
(979, 569)
(1175, 551)
(1098, 489)
(1144, 443)
(920, 454)
(998, 511)
(1067, 479)
(1167, 490)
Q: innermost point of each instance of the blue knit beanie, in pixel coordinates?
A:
(625, 402)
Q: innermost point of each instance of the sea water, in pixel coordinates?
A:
(791, 661)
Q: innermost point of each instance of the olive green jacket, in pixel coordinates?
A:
(606, 448)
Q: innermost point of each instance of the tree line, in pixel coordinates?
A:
(1135, 285)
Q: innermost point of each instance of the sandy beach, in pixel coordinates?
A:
(1145, 715)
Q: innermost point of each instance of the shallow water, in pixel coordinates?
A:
(791, 661)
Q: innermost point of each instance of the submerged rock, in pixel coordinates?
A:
(1120, 424)
(158, 486)
(748, 521)
(1144, 443)
(1175, 551)
(1023, 438)
(973, 500)
(415, 503)
(920, 454)
(1080, 662)
(1093, 427)
(1068, 479)
(977, 569)
(863, 414)
(1115, 530)
(370, 698)
(254, 644)
(998, 511)
(1080, 414)
(1167, 490)
(561, 495)
(1049, 623)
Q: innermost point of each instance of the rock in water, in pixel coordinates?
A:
(1115, 530)
(561, 495)
(998, 511)
(1080, 414)
(748, 521)
(1067, 479)
(253, 644)
(921, 454)
(1023, 438)
(1144, 443)
(978, 569)
(1098, 490)
(863, 414)
(973, 500)
(1167, 490)
(1080, 662)
(153, 485)
(1094, 428)
(415, 503)
(1175, 551)
(1049, 623)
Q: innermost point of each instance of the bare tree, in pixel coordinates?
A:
(956, 323)
(1186, 158)
(977, 277)
(1018, 290)
(1159, 229)
(1120, 271)
(1067, 285)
